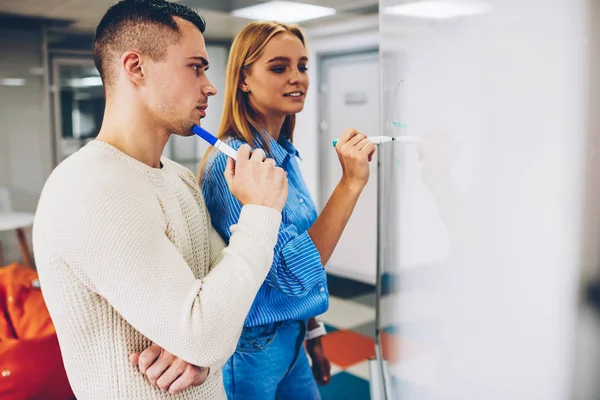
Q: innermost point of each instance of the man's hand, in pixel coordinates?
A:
(255, 179)
(166, 371)
(320, 364)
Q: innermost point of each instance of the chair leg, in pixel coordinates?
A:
(27, 259)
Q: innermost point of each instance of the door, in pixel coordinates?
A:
(78, 103)
(350, 98)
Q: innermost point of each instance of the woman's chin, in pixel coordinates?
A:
(293, 110)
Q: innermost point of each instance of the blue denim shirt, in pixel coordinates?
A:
(296, 286)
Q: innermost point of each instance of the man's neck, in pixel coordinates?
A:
(137, 139)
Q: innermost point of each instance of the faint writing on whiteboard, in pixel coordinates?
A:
(398, 87)
(398, 125)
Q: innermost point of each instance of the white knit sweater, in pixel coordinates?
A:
(127, 257)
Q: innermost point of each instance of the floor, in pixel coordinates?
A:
(350, 342)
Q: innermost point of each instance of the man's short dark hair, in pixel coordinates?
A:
(148, 26)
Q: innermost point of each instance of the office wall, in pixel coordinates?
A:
(25, 136)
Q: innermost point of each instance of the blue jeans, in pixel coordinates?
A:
(270, 364)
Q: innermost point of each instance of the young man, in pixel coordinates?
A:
(126, 253)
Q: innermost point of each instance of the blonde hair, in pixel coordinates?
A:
(239, 119)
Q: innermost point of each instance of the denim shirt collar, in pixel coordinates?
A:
(280, 149)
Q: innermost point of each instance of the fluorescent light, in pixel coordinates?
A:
(439, 9)
(284, 11)
(89, 81)
(13, 81)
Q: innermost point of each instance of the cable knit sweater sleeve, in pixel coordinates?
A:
(115, 242)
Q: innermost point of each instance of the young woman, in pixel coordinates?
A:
(266, 86)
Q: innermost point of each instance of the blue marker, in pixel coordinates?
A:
(213, 141)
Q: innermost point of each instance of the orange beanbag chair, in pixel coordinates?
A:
(31, 365)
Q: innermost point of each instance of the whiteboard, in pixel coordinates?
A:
(485, 216)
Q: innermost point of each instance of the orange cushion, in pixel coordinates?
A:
(33, 369)
(31, 365)
(23, 303)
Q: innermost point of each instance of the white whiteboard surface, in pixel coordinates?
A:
(495, 229)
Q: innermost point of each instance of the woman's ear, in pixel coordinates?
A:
(243, 86)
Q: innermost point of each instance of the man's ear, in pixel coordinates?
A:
(132, 64)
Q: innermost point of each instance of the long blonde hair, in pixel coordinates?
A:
(239, 119)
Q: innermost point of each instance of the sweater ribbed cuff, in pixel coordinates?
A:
(262, 219)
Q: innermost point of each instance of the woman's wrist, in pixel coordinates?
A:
(351, 185)
(312, 324)
(315, 333)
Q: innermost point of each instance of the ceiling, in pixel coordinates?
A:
(83, 15)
